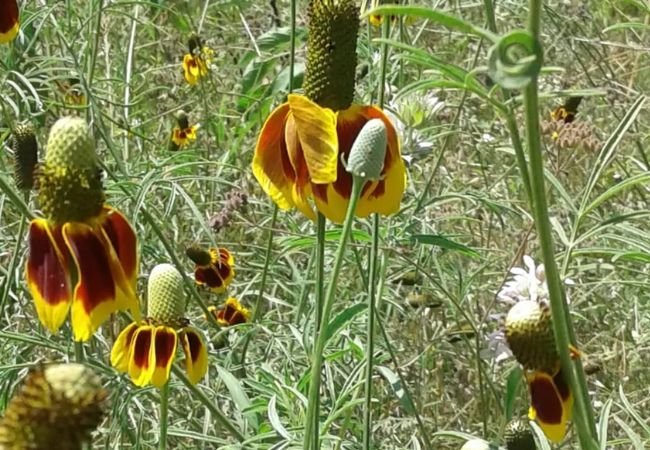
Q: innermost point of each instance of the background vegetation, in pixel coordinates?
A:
(464, 221)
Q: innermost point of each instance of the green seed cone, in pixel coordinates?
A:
(56, 408)
(519, 436)
(529, 332)
(69, 181)
(23, 142)
(199, 256)
(368, 151)
(331, 53)
(165, 296)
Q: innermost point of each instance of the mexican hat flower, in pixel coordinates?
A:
(182, 134)
(9, 20)
(146, 350)
(82, 255)
(214, 267)
(58, 403)
(231, 313)
(529, 333)
(196, 63)
(304, 143)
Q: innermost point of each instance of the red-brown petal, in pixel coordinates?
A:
(124, 242)
(47, 273)
(545, 400)
(8, 20)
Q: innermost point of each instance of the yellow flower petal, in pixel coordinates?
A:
(196, 354)
(164, 349)
(316, 128)
(120, 353)
(142, 356)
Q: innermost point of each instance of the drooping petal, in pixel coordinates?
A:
(232, 313)
(120, 353)
(142, 356)
(271, 165)
(95, 295)
(301, 187)
(47, 274)
(9, 24)
(316, 129)
(164, 348)
(196, 354)
(219, 273)
(551, 403)
(189, 70)
(122, 237)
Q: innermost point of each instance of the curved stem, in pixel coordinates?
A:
(318, 351)
(585, 422)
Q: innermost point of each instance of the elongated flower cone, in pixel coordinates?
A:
(299, 153)
(23, 142)
(165, 296)
(529, 333)
(56, 409)
(82, 254)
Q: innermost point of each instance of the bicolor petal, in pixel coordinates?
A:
(122, 237)
(120, 353)
(142, 356)
(316, 129)
(9, 20)
(271, 165)
(95, 296)
(164, 349)
(219, 273)
(196, 354)
(47, 274)
(551, 403)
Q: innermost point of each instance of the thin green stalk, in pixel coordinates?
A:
(318, 315)
(13, 264)
(164, 410)
(312, 438)
(370, 335)
(372, 277)
(584, 417)
(216, 412)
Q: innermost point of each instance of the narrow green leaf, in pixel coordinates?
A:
(616, 189)
(513, 382)
(602, 424)
(397, 388)
(443, 242)
(238, 396)
(433, 15)
(343, 318)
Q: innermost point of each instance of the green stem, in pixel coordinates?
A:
(216, 412)
(164, 402)
(312, 425)
(584, 417)
(370, 335)
(318, 313)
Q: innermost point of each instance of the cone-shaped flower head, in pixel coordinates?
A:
(368, 151)
(146, 350)
(551, 403)
(215, 268)
(82, 255)
(9, 23)
(23, 142)
(299, 153)
(57, 407)
(231, 313)
(519, 436)
(529, 334)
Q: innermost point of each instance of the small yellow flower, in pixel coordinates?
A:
(146, 350)
(214, 267)
(231, 313)
(196, 65)
(184, 136)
